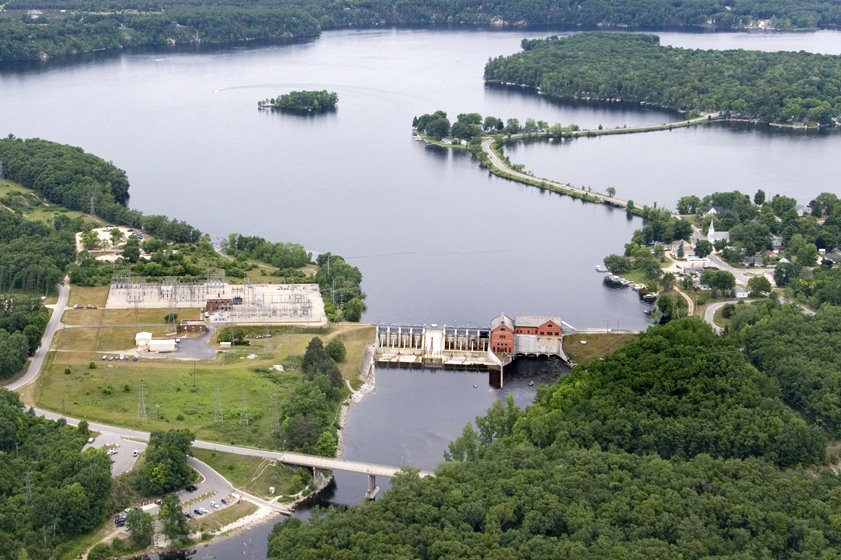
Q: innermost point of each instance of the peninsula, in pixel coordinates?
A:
(796, 89)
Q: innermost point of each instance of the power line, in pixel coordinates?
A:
(243, 415)
(141, 405)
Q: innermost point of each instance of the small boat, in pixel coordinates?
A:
(601, 268)
(624, 281)
(613, 279)
(638, 287)
(475, 386)
(531, 383)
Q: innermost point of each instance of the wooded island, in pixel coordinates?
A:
(304, 102)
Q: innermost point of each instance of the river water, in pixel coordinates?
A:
(437, 238)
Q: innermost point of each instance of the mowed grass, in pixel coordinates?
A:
(597, 345)
(250, 401)
(34, 206)
(252, 474)
(107, 339)
(219, 518)
(88, 296)
(138, 316)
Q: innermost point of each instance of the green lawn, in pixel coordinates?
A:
(597, 345)
(33, 206)
(255, 475)
(110, 393)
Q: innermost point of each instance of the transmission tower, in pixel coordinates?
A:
(93, 206)
(218, 418)
(141, 405)
(243, 415)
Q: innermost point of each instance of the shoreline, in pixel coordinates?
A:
(367, 373)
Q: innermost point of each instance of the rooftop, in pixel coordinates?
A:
(535, 320)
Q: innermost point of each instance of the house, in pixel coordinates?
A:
(752, 261)
(538, 325)
(502, 334)
(740, 293)
(776, 242)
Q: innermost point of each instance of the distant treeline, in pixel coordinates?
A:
(780, 87)
(67, 28)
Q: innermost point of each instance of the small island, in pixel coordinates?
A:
(303, 102)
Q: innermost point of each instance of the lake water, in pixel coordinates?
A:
(437, 238)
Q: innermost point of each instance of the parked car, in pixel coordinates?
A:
(203, 511)
(188, 515)
(135, 453)
(214, 504)
(191, 488)
(224, 501)
(197, 511)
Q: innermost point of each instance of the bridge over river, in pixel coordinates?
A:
(373, 470)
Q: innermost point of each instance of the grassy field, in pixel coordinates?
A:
(125, 316)
(219, 518)
(253, 474)
(33, 206)
(598, 345)
(88, 296)
(183, 394)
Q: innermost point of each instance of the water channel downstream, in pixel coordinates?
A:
(437, 238)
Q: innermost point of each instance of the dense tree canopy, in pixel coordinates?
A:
(801, 353)
(67, 176)
(779, 87)
(307, 101)
(166, 468)
(50, 490)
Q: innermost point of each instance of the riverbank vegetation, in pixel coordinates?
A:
(791, 88)
(662, 449)
(305, 102)
(33, 30)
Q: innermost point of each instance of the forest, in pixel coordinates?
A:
(790, 88)
(69, 177)
(69, 28)
(673, 447)
(50, 490)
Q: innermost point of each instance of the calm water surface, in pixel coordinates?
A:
(437, 238)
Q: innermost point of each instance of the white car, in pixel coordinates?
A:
(214, 504)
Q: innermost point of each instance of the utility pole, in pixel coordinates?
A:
(93, 206)
(1, 171)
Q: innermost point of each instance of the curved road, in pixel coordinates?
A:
(53, 325)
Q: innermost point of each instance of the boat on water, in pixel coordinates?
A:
(638, 287)
(624, 281)
(613, 279)
(601, 268)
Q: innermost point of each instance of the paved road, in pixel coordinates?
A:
(53, 325)
(281, 456)
(568, 187)
(709, 314)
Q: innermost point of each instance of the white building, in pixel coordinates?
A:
(713, 236)
(162, 345)
(142, 340)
